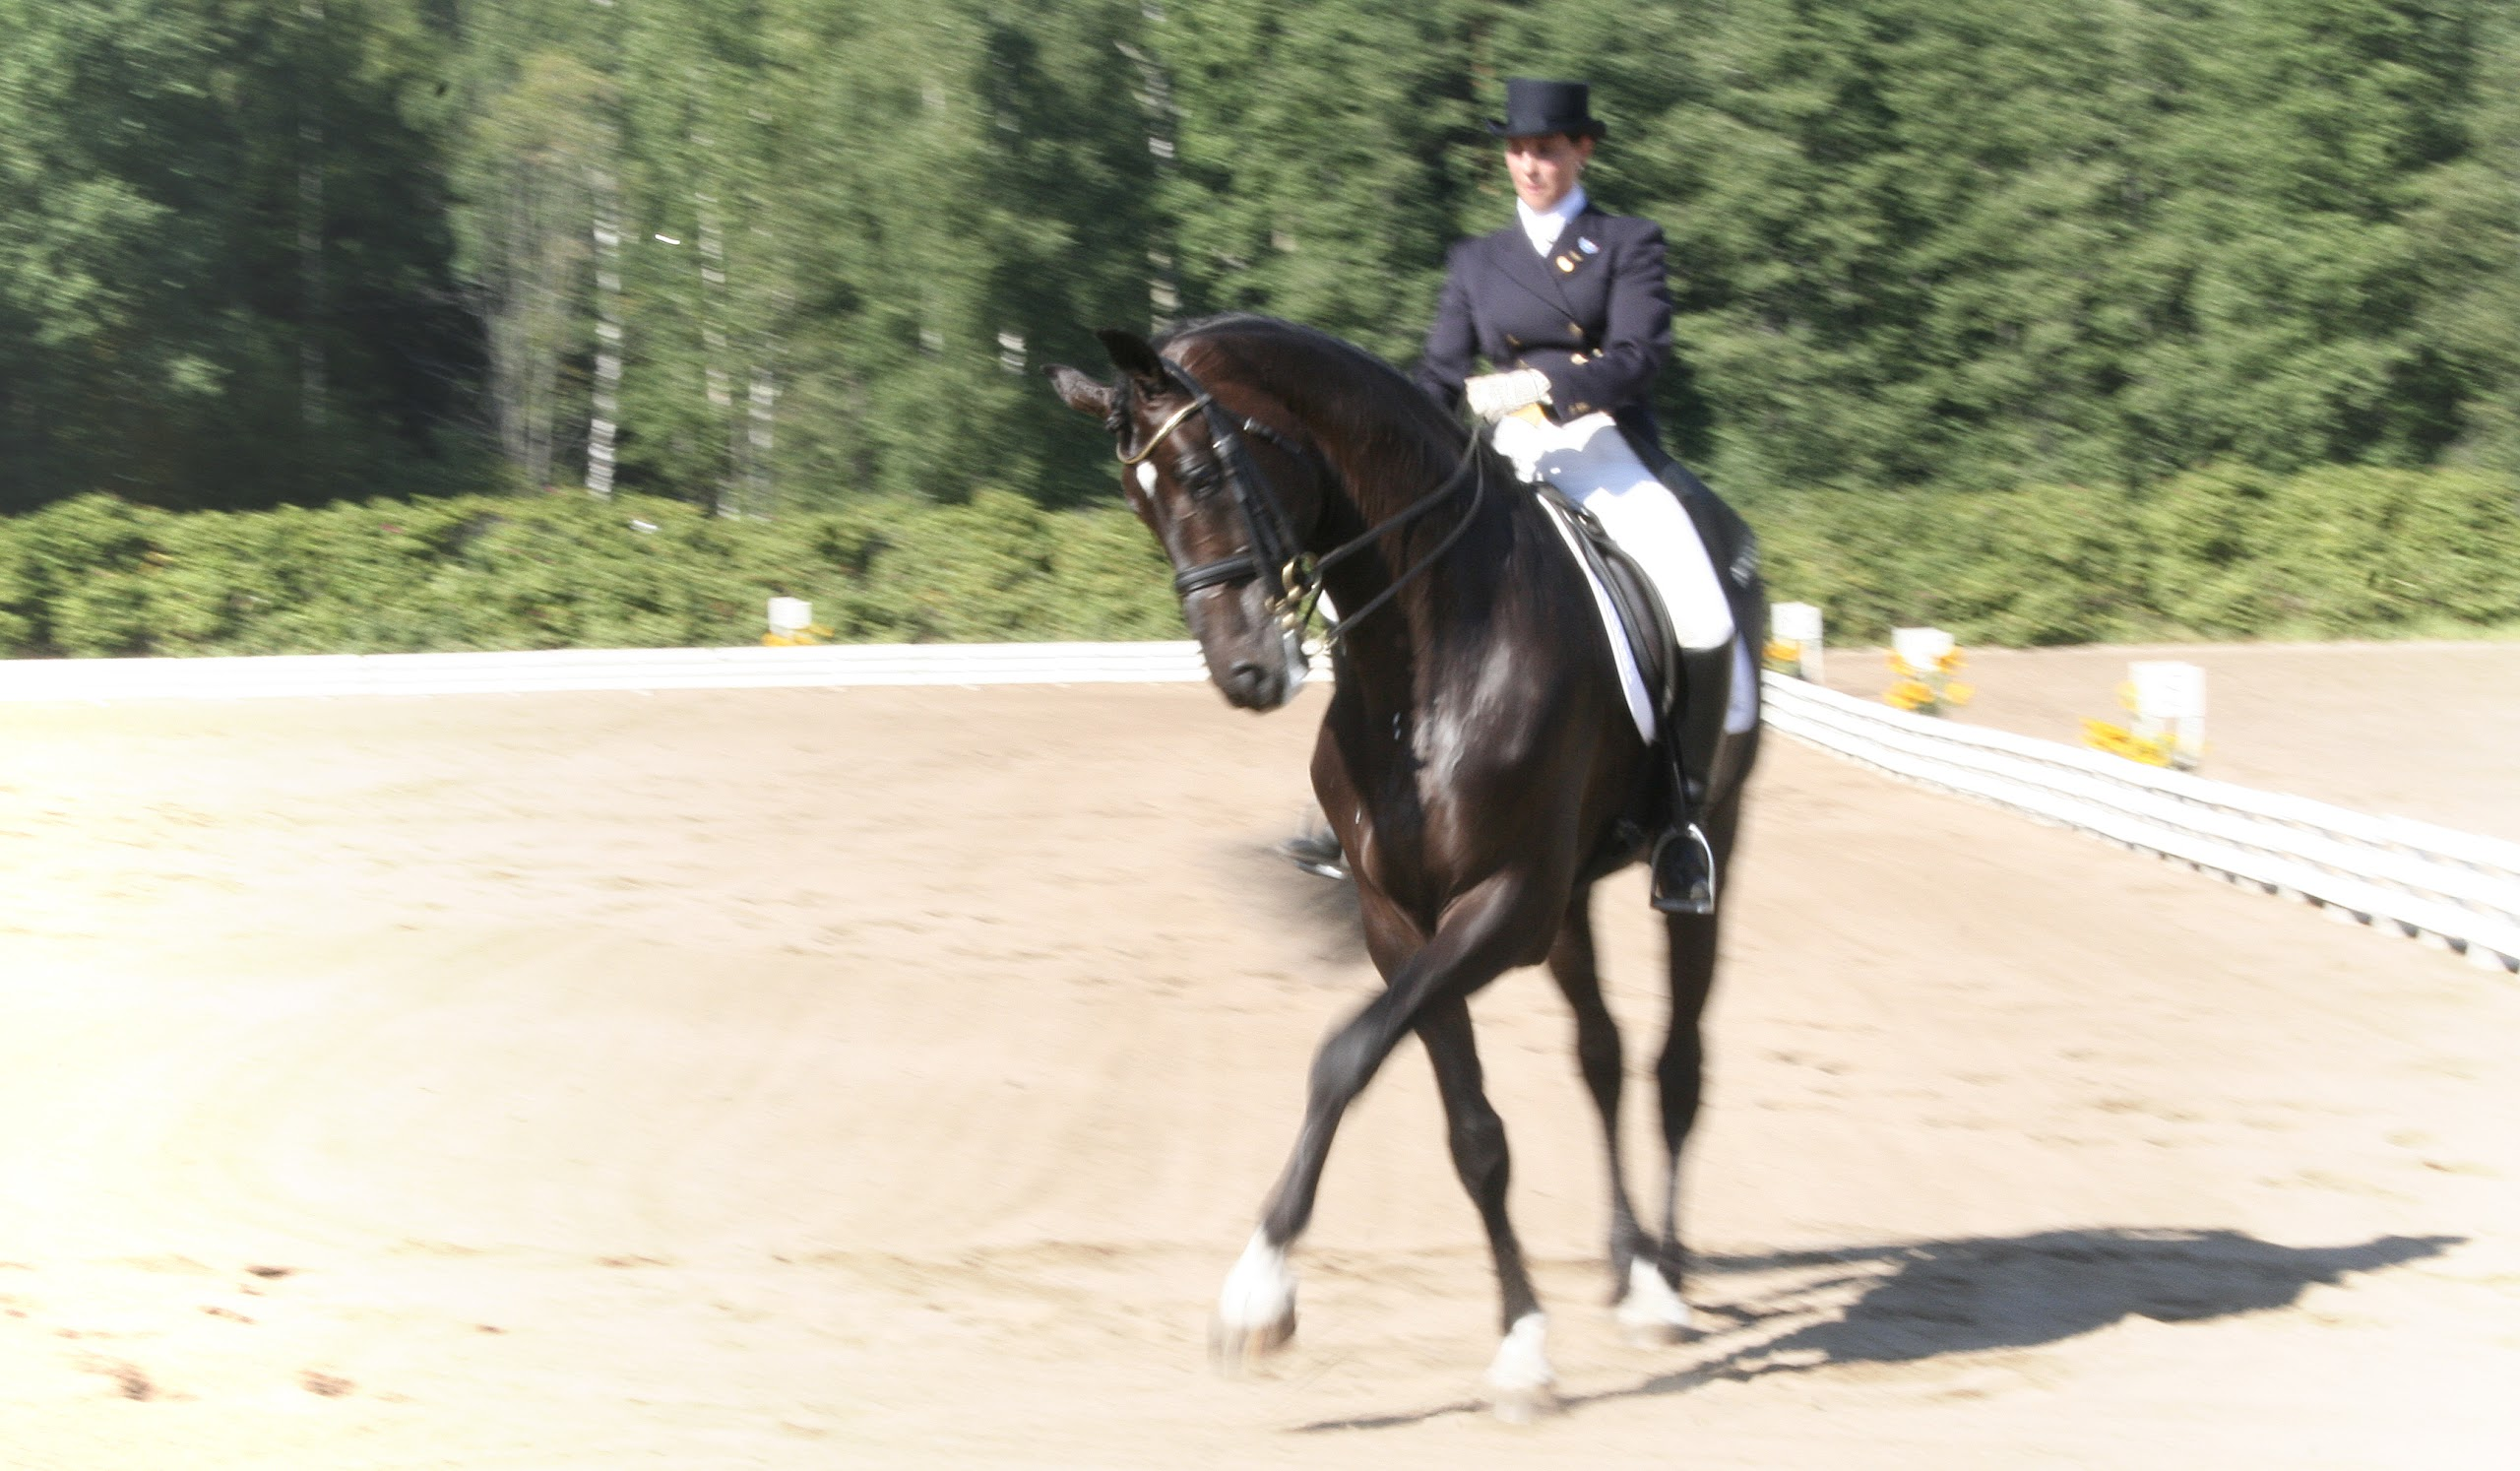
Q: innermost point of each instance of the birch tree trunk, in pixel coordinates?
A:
(604, 425)
(1154, 95)
(537, 148)
(716, 381)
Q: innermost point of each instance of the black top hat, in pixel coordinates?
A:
(1534, 108)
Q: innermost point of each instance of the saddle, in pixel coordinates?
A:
(1642, 623)
(1655, 675)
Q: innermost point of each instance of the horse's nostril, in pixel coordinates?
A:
(1247, 680)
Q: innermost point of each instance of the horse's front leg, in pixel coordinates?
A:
(1483, 931)
(1520, 1382)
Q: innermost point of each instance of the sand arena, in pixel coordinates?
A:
(835, 1078)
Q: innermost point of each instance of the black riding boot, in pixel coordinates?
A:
(1684, 879)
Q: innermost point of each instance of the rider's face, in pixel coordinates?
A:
(1546, 167)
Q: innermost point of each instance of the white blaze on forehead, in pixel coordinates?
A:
(1146, 477)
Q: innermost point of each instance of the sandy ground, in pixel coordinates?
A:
(2414, 729)
(827, 1080)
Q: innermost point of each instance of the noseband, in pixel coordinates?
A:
(1290, 581)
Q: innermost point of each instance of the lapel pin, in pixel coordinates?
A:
(1566, 262)
(1586, 246)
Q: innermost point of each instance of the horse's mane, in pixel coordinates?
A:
(1291, 333)
(1374, 408)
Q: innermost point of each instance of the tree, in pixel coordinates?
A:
(1317, 143)
(963, 199)
(206, 296)
(2468, 234)
(533, 162)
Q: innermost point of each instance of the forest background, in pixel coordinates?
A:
(2072, 319)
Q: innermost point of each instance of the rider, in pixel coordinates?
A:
(1569, 308)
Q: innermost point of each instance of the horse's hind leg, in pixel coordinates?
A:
(1520, 1382)
(1681, 1075)
(1597, 1052)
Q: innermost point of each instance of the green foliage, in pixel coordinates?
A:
(2215, 554)
(1931, 262)
(1331, 200)
(224, 270)
(1916, 243)
(94, 576)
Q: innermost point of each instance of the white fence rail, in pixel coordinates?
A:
(2451, 888)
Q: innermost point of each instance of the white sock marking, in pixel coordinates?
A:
(1259, 1292)
(1650, 1301)
(1522, 1359)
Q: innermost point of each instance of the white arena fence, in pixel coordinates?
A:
(2451, 890)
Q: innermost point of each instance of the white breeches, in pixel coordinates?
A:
(1587, 460)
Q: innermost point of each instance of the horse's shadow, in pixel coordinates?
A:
(1913, 1301)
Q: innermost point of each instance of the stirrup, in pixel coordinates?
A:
(1318, 854)
(1685, 874)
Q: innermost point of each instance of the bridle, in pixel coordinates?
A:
(1290, 580)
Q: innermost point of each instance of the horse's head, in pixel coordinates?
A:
(1189, 461)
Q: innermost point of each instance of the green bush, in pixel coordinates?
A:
(2222, 553)
(93, 576)
(2211, 554)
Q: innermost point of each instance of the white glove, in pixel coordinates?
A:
(1492, 396)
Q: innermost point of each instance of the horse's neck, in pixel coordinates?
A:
(1399, 643)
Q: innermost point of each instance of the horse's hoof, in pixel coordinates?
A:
(1233, 1348)
(1256, 1311)
(1521, 1386)
(1522, 1406)
(1651, 1314)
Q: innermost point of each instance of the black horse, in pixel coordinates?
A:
(1477, 761)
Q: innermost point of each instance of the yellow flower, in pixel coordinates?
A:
(2117, 741)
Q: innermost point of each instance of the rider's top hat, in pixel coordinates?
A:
(1534, 108)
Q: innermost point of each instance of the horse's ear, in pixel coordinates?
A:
(1131, 355)
(1084, 393)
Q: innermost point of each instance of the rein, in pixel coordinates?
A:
(1291, 582)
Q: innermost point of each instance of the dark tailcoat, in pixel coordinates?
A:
(1594, 314)
(1598, 322)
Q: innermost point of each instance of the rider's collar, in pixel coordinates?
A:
(1546, 225)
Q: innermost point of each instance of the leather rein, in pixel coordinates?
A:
(1292, 580)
